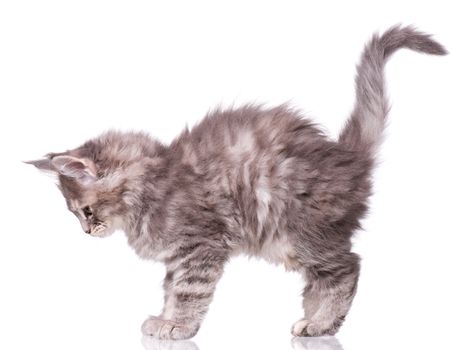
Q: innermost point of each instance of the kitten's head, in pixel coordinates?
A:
(99, 179)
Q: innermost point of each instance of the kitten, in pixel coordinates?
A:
(262, 182)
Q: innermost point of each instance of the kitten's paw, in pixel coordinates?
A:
(167, 329)
(309, 328)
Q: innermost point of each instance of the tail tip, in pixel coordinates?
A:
(408, 36)
(432, 47)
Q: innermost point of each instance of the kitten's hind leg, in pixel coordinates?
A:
(328, 296)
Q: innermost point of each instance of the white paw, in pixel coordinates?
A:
(299, 327)
(167, 329)
(309, 328)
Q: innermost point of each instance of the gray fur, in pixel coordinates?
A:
(363, 131)
(260, 181)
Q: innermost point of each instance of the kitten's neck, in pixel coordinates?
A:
(145, 187)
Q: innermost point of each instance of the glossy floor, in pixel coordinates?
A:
(321, 343)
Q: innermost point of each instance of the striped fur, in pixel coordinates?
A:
(259, 181)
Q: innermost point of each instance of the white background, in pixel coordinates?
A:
(72, 69)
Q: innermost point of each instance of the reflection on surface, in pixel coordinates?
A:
(317, 343)
(298, 343)
(151, 343)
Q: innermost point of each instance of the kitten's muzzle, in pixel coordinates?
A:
(86, 227)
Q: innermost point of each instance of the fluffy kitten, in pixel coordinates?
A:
(251, 180)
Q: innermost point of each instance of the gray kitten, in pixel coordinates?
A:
(262, 182)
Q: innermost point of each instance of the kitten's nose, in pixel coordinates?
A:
(85, 226)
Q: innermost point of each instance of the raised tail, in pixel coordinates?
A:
(363, 131)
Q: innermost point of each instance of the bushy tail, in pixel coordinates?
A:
(363, 131)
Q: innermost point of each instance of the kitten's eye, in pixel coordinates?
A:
(87, 211)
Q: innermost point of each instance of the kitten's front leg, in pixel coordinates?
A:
(189, 286)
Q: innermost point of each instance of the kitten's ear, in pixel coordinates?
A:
(83, 170)
(42, 164)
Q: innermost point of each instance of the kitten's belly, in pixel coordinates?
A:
(276, 251)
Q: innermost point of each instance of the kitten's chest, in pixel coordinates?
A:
(147, 243)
